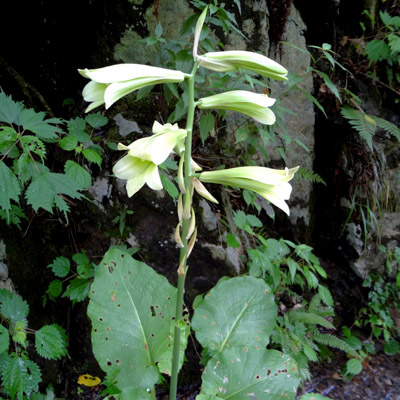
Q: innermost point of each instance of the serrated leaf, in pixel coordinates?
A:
(232, 241)
(132, 309)
(54, 289)
(238, 311)
(50, 343)
(325, 295)
(20, 377)
(60, 266)
(77, 290)
(293, 267)
(353, 367)
(250, 373)
(68, 143)
(4, 339)
(92, 156)
(96, 120)
(34, 122)
(79, 174)
(377, 50)
(9, 109)
(14, 308)
(9, 187)
(45, 190)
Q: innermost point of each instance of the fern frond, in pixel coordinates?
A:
(309, 175)
(309, 318)
(333, 341)
(361, 122)
(387, 126)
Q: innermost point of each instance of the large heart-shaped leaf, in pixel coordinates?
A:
(241, 373)
(132, 309)
(238, 311)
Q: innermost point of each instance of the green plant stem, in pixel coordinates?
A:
(187, 201)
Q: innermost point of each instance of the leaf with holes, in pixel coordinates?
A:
(132, 309)
(50, 342)
(238, 311)
(248, 373)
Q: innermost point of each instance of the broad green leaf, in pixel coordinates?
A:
(77, 290)
(132, 309)
(20, 376)
(14, 308)
(46, 191)
(4, 339)
(79, 174)
(250, 373)
(238, 311)
(60, 266)
(50, 342)
(9, 187)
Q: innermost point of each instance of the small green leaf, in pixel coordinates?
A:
(310, 353)
(353, 367)
(96, 120)
(77, 290)
(169, 186)
(68, 143)
(392, 347)
(159, 30)
(325, 295)
(50, 342)
(313, 396)
(92, 156)
(34, 122)
(293, 267)
(9, 109)
(60, 267)
(54, 289)
(232, 241)
(377, 50)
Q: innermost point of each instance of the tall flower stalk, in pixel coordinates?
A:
(140, 165)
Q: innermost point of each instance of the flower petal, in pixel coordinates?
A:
(152, 177)
(135, 184)
(128, 167)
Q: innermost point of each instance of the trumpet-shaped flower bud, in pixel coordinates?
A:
(110, 83)
(140, 165)
(254, 105)
(269, 183)
(232, 60)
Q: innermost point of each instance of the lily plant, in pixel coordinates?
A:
(139, 165)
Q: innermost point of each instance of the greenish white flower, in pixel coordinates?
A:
(140, 165)
(272, 184)
(110, 83)
(254, 105)
(232, 60)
